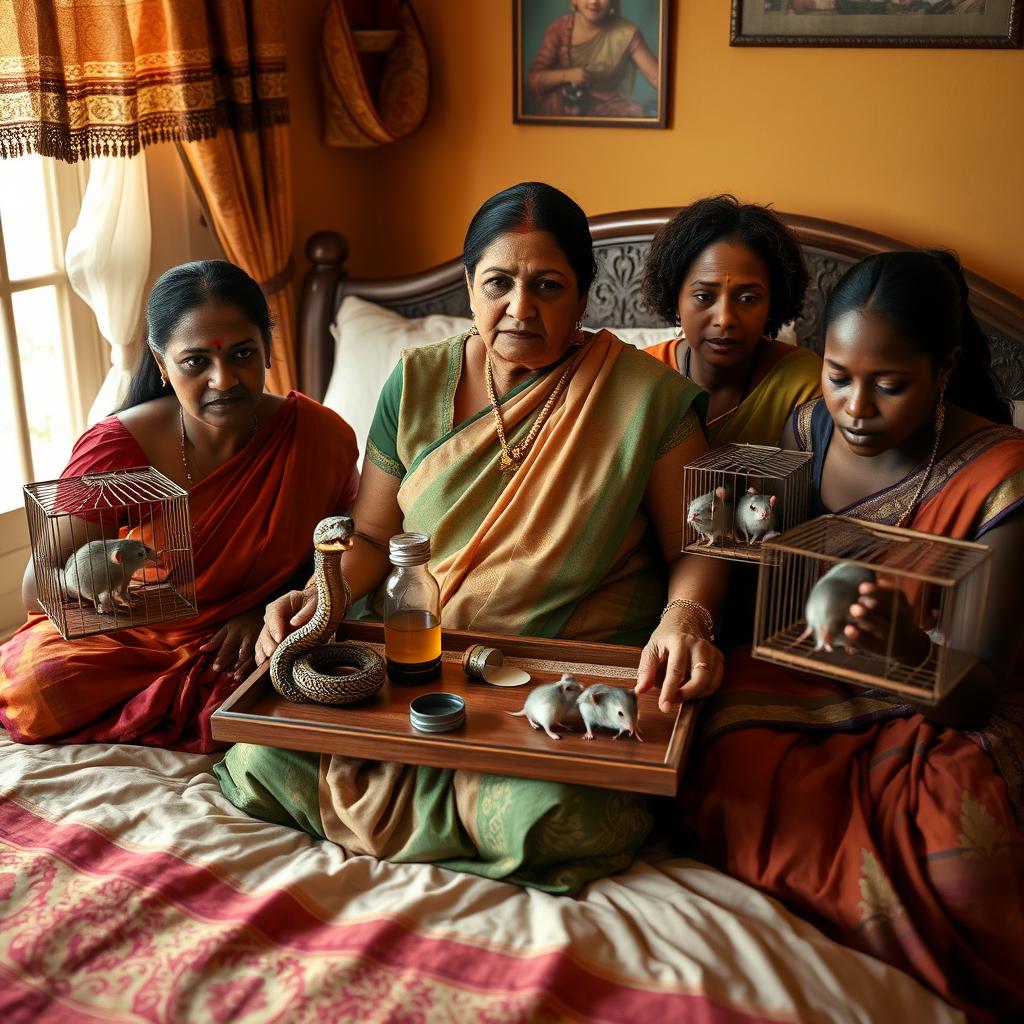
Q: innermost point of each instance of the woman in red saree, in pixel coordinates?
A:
(260, 471)
(891, 827)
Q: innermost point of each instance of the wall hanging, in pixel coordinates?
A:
(374, 72)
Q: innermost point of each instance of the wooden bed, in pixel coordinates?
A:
(132, 890)
(621, 241)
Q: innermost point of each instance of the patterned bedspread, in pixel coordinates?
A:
(130, 890)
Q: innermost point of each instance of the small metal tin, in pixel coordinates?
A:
(479, 658)
(437, 712)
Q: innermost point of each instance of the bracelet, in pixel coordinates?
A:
(706, 620)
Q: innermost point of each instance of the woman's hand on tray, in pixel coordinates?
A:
(683, 664)
(283, 616)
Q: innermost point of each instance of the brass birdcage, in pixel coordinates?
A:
(745, 485)
(111, 550)
(944, 583)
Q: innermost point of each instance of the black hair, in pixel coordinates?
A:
(534, 206)
(177, 292)
(724, 218)
(924, 295)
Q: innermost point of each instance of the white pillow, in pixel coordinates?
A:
(368, 342)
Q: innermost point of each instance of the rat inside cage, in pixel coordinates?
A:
(111, 550)
(930, 594)
(739, 495)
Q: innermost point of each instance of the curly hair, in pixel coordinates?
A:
(724, 218)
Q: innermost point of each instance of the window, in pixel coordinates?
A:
(52, 360)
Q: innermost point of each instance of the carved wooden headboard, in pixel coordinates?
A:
(620, 243)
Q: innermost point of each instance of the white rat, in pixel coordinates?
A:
(609, 707)
(550, 705)
(708, 514)
(828, 605)
(101, 570)
(755, 516)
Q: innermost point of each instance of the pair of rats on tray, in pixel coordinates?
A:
(711, 516)
(599, 706)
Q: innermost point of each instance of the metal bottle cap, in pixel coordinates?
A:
(409, 549)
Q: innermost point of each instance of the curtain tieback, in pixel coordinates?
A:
(280, 279)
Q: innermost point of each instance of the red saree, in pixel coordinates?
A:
(900, 838)
(252, 524)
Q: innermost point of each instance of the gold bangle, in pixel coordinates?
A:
(705, 617)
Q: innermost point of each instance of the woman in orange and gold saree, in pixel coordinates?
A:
(545, 462)
(731, 275)
(897, 829)
(260, 471)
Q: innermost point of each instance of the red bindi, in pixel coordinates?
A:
(216, 343)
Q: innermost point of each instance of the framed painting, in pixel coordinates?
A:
(590, 62)
(978, 23)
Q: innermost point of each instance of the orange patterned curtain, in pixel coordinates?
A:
(373, 67)
(105, 77)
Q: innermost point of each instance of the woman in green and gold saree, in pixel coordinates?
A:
(545, 462)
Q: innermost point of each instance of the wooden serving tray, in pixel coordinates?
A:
(489, 740)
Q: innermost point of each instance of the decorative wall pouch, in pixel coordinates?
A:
(373, 69)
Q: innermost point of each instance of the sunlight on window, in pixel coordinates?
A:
(10, 463)
(25, 216)
(43, 373)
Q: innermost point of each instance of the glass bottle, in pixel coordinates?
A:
(412, 613)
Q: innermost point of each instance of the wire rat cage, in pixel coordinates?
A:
(111, 550)
(811, 574)
(739, 495)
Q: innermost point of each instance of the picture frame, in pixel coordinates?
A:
(590, 63)
(986, 24)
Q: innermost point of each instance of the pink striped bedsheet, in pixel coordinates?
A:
(130, 890)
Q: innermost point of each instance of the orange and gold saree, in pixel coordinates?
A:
(899, 837)
(252, 525)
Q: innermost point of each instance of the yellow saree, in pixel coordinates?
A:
(793, 377)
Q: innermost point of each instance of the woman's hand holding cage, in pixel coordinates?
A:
(886, 624)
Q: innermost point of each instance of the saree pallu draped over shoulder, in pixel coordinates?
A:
(252, 526)
(899, 837)
(562, 547)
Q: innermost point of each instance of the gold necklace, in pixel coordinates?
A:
(940, 422)
(510, 456)
(184, 457)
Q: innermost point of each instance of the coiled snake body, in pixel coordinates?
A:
(299, 668)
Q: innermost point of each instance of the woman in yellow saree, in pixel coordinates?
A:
(731, 275)
(546, 464)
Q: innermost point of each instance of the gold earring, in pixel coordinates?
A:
(163, 378)
(940, 410)
(474, 331)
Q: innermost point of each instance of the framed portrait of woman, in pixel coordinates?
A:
(590, 62)
(979, 23)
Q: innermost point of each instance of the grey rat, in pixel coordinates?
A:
(550, 705)
(709, 515)
(101, 570)
(755, 516)
(827, 610)
(609, 707)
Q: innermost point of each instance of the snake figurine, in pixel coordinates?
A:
(300, 667)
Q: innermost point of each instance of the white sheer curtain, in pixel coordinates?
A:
(107, 260)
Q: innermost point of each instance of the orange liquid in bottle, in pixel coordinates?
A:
(412, 647)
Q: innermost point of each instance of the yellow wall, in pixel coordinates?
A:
(923, 145)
